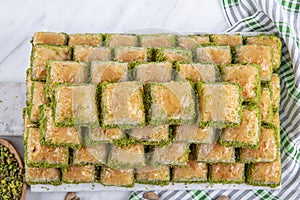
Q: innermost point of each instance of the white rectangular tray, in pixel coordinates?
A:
(142, 187)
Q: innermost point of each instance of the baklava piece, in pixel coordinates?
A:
(174, 154)
(248, 77)
(256, 54)
(219, 104)
(115, 177)
(38, 98)
(79, 174)
(157, 175)
(171, 103)
(43, 156)
(41, 54)
(114, 40)
(65, 72)
(130, 54)
(96, 155)
(172, 55)
(27, 124)
(247, 134)
(267, 148)
(226, 39)
(219, 55)
(227, 173)
(158, 40)
(131, 156)
(196, 72)
(276, 120)
(276, 124)
(28, 86)
(75, 105)
(153, 72)
(85, 39)
(26, 119)
(194, 172)
(190, 41)
(194, 134)
(151, 135)
(214, 153)
(108, 71)
(122, 105)
(52, 135)
(275, 89)
(98, 135)
(264, 174)
(50, 176)
(265, 104)
(50, 38)
(89, 53)
(272, 41)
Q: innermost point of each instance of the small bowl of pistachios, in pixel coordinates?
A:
(12, 181)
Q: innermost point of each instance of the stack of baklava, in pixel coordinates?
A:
(121, 109)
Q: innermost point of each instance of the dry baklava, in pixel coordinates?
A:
(193, 172)
(219, 55)
(158, 40)
(38, 98)
(131, 54)
(247, 134)
(65, 72)
(194, 134)
(151, 135)
(122, 105)
(96, 155)
(116, 177)
(114, 40)
(131, 156)
(219, 104)
(108, 71)
(264, 174)
(226, 39)
(171, 103)
(85, 39)
(88, 53)
(256, 54)
(35, 175)
(51, 135)
(79, 174)
(267, 148)
(152, 72)
(75, 105)
(227, 173)
(214, 153)
(50, 38)
(41, 54)
(190, 41)
(97, 135)
(157, 175)
(268, 40)
(247, 76)
(196, 72)
(174, 154)
(172, 55)
(37, 155)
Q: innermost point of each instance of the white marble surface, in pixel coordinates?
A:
(19, 19)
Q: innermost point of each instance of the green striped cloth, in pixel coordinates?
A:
(283, 18)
